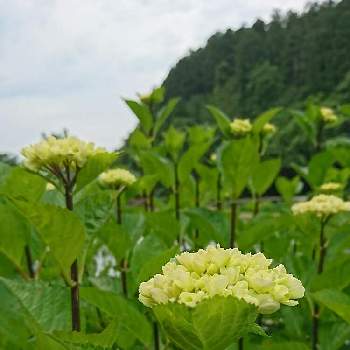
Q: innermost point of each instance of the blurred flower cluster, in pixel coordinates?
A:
(328, 115)
(331, 186)
(193, 277)
(55, 154)
(241, 127)
(269, 128)
(322, 205)
(115, 178)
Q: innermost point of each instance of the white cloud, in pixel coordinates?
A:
(66, 63)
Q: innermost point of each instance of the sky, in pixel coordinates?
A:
(68, 63)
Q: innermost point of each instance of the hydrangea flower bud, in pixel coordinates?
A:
(328, 115)
(269, 128)
(322, 205)
(241, 127)
(331, 186)
(115, 178)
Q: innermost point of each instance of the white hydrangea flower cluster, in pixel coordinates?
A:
(241, 127)
(269, 128)
(328, 115)
(59, 153)
(193, 277)
(322, 205)
(331, 186)
(114, 178)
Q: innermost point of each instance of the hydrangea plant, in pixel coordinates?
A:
(219, 289)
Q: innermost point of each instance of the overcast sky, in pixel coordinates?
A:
(67, 63)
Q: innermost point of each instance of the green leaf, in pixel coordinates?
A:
(318, 167)
(212, 325)
(222, 120)
(143, 113)
(131, 321)
(336, 301)
(149, 255)
(48, 306)
(155, 165)
(211, 225)
(237, 160)
(164, 114)
(12, 320)
(261, 228)
(148, 182)
(139, 140)
(93, 207)
(157, 95)
(5, 169)
(60, 229)
(199, 134)
(190, 159)
(345, 109)
(164, 225)
(106, 339)
(264, 118)
(47, 342)
(94, 167)
(338, 277)
(287, 188)
(335, 335)
(14, 232)
(174, 141)
(290, 345)
(116, 238)
(264, 175)
(19, 183)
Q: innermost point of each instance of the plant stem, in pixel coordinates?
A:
(197, 200)
(74, 272)
(119, 209)
(176, 194)
(155, 324)
(151, 200)
(29, 261)
(156, 336)
(233, 223)
(123, 276)
(256, 206)
(123, 262)
(319, 136)
(240, 344)
(218, 193)
(323, 248)
(145, 201)
(316, 309)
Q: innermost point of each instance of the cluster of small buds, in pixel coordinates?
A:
(331, 186)
(193, 277)
(53, 154)
(213, 157)
(50, 187)
(322, 205)
(241, 127)
(145, 98)
(269, 129)
(328, 115)
(116, 178)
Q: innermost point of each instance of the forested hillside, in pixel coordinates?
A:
(283, 62)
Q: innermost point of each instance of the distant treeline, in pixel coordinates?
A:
(284, 62)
